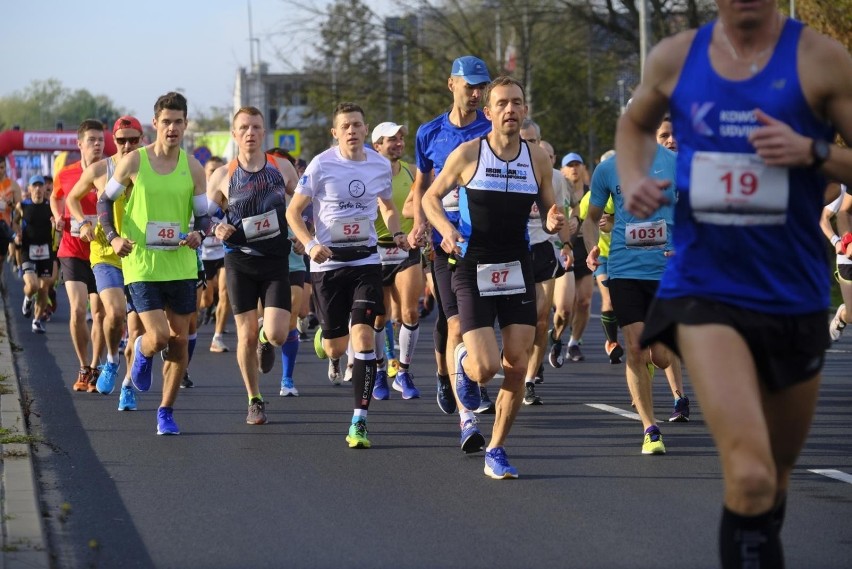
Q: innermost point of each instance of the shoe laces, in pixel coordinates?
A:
(335, 365)
(469, 423)
(360, 428)
(498, 455)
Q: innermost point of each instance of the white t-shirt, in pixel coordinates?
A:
(345, 197)
(534, 226)
(834, 207)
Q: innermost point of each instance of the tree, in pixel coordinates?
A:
(43, 104)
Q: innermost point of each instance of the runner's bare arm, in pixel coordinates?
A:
(316, 250)
(391, 217)
(73, 202)
(461, 159)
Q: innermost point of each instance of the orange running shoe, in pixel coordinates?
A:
(82, 383)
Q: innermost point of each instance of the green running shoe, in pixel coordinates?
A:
(318, 345)
(357, 437)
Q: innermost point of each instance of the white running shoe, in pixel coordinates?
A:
(835, 329)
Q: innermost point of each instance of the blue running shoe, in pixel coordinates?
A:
(467, 390)
(106, 379)
(140, 373)
(166, 422)
(405, 385)
(497, 464)
(380, 387)
(446, 399)
(127, 399)
(471, 439)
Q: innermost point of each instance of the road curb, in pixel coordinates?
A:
(24, 540)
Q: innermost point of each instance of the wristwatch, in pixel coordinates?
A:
(820, 149)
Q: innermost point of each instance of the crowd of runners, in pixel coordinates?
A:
(360, 245)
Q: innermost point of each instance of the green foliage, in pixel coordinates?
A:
(44, 103)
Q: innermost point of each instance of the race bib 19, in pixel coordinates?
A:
(737, 189)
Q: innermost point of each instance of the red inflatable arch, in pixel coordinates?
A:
(46, 141)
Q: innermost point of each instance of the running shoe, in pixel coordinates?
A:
(302, 325)
(555, 357)
(653, 443)
(334, 371)
(357, 437)
(468, 390)
(404, 383)
(38, 327)
(497, 464)
(106, 379)
(681, 411)
(27, 307)
(256, 412)
(320, 351)
(265, 356)
(835, 329)
(166, 422)
(140, 373)
(127, 399)
(93, 379)
(380, 386)
(486, 406)
(393, 367)
(217, 345)
(186, 383)
(347, 375)
(313, 322)
(471, 439)
(287, 388)
(530, 398)
(446, 399)
(614, 351)
(575, 354)
(82, 383)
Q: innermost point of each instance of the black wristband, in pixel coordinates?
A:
(397, 234)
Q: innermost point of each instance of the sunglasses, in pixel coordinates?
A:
(130, 139)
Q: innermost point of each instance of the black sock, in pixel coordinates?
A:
(610, 325)
(444, 379)
(363, 378)
(749, 542)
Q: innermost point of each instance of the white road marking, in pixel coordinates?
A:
(616, 410)
(831, 473)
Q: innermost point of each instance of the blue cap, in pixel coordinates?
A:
(571, 157)
(36, 179)
(471, 69)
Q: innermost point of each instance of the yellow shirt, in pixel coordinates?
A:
(604, 237)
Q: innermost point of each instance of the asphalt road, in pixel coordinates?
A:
(224, 494)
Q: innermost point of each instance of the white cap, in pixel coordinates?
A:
(387, 129)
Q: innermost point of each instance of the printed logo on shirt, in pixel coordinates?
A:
(699, 113)
(357, 188)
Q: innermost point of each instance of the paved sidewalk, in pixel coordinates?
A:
(24, 542)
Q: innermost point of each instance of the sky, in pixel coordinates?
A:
(135, 51)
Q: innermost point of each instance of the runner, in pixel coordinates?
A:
(10, 197)
(73, 257)
(34, 236)
(106, 264)
(214, 300)
(157, 246)
(347, 185)
(499, 176)
(435, 140)
(756, 109)
(252, 192)
(402, 276)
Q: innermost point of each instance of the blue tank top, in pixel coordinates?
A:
(495, 206)
(261, 198)
(778, 266)
(435, 141)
